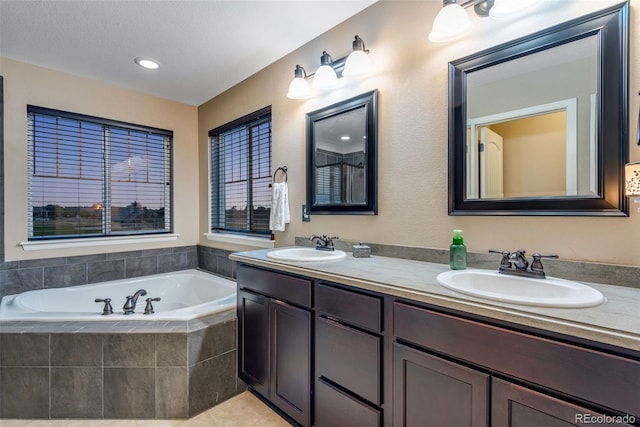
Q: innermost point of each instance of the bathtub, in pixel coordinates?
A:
(184, 295)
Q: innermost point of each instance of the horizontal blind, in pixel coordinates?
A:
(240, 176)
(328, 184)
(92, 178)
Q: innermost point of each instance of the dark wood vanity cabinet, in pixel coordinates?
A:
(473, 374)
(348, 357)
(333, 355)
(274, 339)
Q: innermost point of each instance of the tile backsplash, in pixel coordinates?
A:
(620, 275)
(26, 275)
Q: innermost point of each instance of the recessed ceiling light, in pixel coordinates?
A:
(147, 63)
(345, 138)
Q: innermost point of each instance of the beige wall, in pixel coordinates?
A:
(411, 75)
(535, 155)
(26, 84)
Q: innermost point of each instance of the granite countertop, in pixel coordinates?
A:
(615, 322)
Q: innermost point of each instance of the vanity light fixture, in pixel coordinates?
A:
(452, 21)
(327, 75)
(147, 63)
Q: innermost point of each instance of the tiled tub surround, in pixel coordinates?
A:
(115, 369)
(27, 275)
(120, 369)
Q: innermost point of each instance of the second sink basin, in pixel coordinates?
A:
(305, 254)
(549, 292)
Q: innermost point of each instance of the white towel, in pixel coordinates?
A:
(279, 207)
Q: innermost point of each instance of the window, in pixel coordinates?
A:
(92, 177)
(241, 174)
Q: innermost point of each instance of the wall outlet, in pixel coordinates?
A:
(305, 214)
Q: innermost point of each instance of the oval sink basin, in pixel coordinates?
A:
(549, 292)
(305, 254)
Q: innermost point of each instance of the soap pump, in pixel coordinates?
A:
(457, 252)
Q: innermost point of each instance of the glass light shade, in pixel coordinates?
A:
(450, 23)
(506, 8)
(299, 89)
(632, 179)
(325, 77)
(358, 63)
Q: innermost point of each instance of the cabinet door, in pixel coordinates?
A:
(253, 341)
(291, 360)
(516, 406)
(430, 391)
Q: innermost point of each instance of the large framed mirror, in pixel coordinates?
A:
(539, 125)
(342, 150)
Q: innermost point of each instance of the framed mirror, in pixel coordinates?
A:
(539, 125)
(342, 150)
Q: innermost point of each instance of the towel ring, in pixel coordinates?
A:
(284, 170)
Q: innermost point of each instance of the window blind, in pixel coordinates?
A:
(93, 177)
(241, 174)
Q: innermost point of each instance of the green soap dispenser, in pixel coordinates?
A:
(457, 252)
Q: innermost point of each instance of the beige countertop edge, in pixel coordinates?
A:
(580, 330)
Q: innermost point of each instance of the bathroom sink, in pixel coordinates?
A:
(549, 292)
(305, 254)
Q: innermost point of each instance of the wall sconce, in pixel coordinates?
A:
(327, 75)
(452, 21)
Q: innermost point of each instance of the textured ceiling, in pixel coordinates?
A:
(204, 46)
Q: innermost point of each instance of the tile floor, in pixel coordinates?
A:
(244, 410)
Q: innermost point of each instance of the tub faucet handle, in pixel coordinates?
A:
(107, 306)
(148, 309)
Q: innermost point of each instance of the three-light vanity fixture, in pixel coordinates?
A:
(452, 21)
(326, 76)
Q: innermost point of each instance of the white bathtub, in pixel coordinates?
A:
(184, 295)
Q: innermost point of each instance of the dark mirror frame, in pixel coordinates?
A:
(611, 27)
(370, 101)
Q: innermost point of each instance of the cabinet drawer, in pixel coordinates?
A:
(351, 307)
(335, 408)
(611, 381)
(279, 286)
(349, 357)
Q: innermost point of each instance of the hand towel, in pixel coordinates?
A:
(279, 207)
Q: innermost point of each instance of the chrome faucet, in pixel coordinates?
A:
(517, 264)
(323, 243)
(132, 300)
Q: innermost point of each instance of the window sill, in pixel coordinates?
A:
(97, 241)
(239, 239)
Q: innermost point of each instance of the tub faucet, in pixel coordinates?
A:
(132, 300)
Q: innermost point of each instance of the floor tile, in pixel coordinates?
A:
(243, 410)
